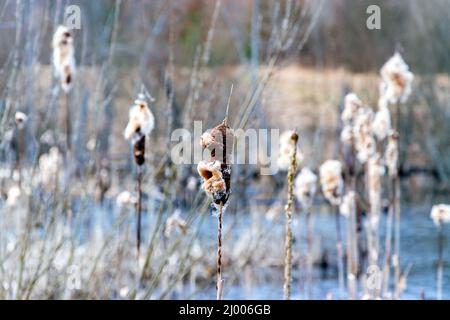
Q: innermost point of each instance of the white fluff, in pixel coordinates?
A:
(305, 187)
(440, 214)
(141, 120)
(397, 80)
(64, 57)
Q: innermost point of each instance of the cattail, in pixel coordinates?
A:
(440, 214)
(364, 141)
(140, 124)
(374, 172)
(331, 181)
(381, 124)
(397, 80)
(285, 149)
(351, 106)
(64, 57)
(305, 189)
(288, 210)
(13, 196)
(391, 153)
(332, 188)
(125, 198)
(216, 175)
(20, 118)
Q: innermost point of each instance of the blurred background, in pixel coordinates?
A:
(291, 64)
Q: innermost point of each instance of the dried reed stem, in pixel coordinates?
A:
(68, 123)
(309, 253)
(352, 254)
(397, 209)
(388, 242)
(219, 285)
(339, 252)
(440, 266)
(138, 209)
(288, 211)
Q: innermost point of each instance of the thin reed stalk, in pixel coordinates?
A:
(288, 211)
(68, 123)
(440, 266)
(340, 256)
(352, 253)
(219, 285)
(309, 253)
(397, 213)
(388, 243)
(138, 209)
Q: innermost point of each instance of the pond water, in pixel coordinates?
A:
(418, 250)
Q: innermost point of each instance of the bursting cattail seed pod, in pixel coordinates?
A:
(382, 121)
(305, 187)
(391, 153)
(285, 149)
(175, 221)
(397, 80)
(440, 214)
(20, 118)
(216, 172)
(331, 181)
(64, 57)
(351, 106)
(364, 141)
(141, 123)
(347, 205)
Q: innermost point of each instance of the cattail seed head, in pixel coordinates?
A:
(364, 141)
(351, 106)
(216, 172)
(20, 118)
(440, 214)
(374, 173)
(140, 124)
(397, 80)
(285, 151)
(391, 153)
(175, 221)
(331, 181)
(64, 57)
(305, 187)
(348, 204)
(382, 122)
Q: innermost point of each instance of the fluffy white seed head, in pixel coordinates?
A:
(391, 153)
(64, 57)
(331, 181)
(348, 204)
(397, 80)
(381, 124)
(20, 118)
(141, 120)
(305, 187)
(440, 214)
(285, 151)
(363, 136)
(351, 105)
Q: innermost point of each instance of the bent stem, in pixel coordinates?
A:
(219, 285)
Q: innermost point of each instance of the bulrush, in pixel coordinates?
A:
(364, 141)
(331, 181)
(64, 57)
(305, 187)
(397, 80)
(351, 106)
(285, 149)
(382, 121)
(140, 124)
(216, 174)
(20, 118)
(440, 214)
